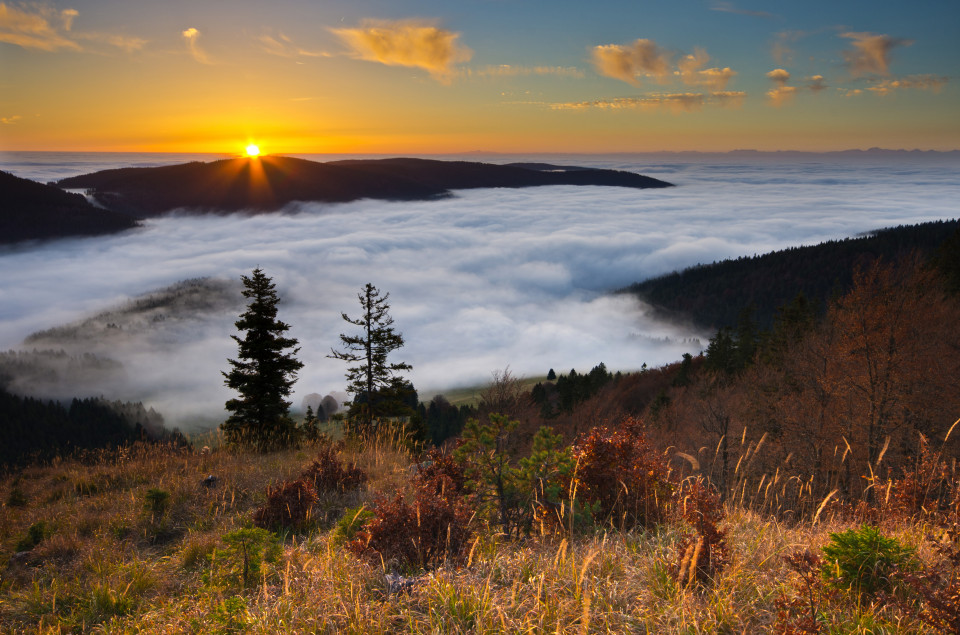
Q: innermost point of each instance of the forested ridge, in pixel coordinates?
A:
(34, 211)
(713, 295)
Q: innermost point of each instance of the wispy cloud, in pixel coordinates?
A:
(728, 7)
(672, 102)
(10, 120)
(190, 37)
(37, 26)
(870, 53)
(628, 63)
(284, 46)
(512, 70)
(412, 43)
(932, 83)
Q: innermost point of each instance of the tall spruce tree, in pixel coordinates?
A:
(378, 391)
(264, 373)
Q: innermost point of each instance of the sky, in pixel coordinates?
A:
(425, 76)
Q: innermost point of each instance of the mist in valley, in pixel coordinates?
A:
(481, 281)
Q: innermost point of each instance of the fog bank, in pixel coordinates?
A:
(487, 279)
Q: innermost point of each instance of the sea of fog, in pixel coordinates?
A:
(478, 282)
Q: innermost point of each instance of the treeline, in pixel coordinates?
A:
(713, 295)
(37, 430)
(34, 211)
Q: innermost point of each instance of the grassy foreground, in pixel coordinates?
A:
(136, 541)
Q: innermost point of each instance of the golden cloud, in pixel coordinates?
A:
(190, 36)
(691, 71)
(779, 76)
(627, 63)
(407, 43)
(781, 95)
(871, 52)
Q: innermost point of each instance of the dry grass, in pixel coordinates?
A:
(111, 564)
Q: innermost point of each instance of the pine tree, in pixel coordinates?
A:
(265, 373)
(376, 388)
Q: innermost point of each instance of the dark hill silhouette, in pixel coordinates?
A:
(268, 183)
(713, 295)
(34, 211)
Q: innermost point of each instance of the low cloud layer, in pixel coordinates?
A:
(407, 43)
(480, 281)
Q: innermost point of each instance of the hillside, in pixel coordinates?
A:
(713, 295)
(769, 486)
(34, 211)
(269, 183)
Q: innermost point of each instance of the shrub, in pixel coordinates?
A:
(622, 476)
(157, 500)
(863, 560)
(36, 533)
(703, 555)
(546, 474)
(287, 506)
(327, 472)
(937, 587)
(242, 561)
(350, 524)
(442, 472)
(802, 614)
(423, 534)
(929, 488)
(17, 498)
(499, 495)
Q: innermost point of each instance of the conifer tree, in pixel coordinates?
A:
(378, 391)
(263, 374)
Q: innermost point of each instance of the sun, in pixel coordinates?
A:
(252, 150)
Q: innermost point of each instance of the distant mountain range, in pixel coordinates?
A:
(269, 183)
(33, 211)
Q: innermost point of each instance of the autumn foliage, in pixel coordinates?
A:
(620, 473)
